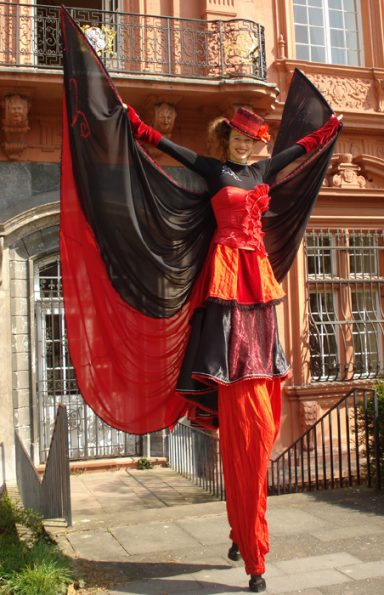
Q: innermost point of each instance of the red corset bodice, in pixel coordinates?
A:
(238, 216)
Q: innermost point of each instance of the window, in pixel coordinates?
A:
(345, 280)
(328, 31)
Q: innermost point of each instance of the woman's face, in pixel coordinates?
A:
(240, 147)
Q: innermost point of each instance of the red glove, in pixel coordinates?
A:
(142, 131)
(321, 136)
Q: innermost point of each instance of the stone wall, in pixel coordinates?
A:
(29, 233)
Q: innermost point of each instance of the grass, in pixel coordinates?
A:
(30, 564)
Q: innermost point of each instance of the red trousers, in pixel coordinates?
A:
(249, 418)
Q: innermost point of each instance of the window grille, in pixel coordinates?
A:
(345, 283)
(328, 31)
(89, 436)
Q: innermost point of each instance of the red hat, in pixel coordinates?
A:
(249, 124)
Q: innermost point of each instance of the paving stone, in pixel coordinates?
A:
(365, 570)
(293, 521)
(233, 577)
(306, 580)
(206, 530)
(160, 586)
(299, 545)
(338, 515)
(368, 548)
(152, 537)
(97, 545)
(329, 560)
(212, 555)
(367, 587)
(347, 532)
(305, 592)
(179, 586)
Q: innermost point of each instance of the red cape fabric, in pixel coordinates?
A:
(118, 353)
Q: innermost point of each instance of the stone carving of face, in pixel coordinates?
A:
(16, 110)
(164, 118)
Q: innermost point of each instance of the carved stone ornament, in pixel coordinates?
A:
(101, 39)
(379, 88)
(352, 93)
(308, 416)
(282, 47)
(14, 125)
(161, 115)
(347, 173)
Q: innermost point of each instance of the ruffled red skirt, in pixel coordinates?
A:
(234, 334)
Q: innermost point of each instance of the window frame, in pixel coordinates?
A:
(344, 283)
(327, 36)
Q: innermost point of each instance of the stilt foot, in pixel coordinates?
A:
(257, 584)
(233, 552)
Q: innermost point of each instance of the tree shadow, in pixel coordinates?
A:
(115, 575)
(163, 587)
(359, 498)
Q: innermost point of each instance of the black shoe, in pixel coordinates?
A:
(257, 583)
(233, 552)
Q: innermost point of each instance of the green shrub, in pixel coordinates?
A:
(30, 564)
(144, 463)
(366, 425)
(38, 577)
(12, 514)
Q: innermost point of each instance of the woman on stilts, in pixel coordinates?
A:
(234, 344)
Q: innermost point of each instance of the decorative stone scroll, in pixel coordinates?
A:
(14, 125)
(351, 93)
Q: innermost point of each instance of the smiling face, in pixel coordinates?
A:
(240, 147)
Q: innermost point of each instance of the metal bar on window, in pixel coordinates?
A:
(346, 318)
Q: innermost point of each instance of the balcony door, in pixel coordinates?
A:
(46, 32)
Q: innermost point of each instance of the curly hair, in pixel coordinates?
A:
(218, 138)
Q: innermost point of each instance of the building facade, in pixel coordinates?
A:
(180, 64)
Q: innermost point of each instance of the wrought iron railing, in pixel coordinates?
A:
(50, 497)
(195, 454)
(343, 448)
(136, 44)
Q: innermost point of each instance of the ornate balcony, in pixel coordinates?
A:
(135, 44)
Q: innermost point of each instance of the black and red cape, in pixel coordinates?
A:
(133, 242)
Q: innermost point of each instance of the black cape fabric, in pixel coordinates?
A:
(294, 195)
(133, 242)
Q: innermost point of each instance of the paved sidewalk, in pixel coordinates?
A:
(154, 532)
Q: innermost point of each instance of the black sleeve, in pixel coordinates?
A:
(282, 159)
(197, 163)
